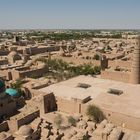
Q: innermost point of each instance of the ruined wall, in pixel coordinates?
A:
(7, 107)
(123, 120)
(119, 119)
(4, 126)
(3, 62)
(28, 118)
(6, 73)
(35, 72)
(5, 52)
(28, 73)
(38, 50)
(16, 122)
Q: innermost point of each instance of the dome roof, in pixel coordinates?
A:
(2, 136)
(25, 130)
(12, 53)
(11, 92)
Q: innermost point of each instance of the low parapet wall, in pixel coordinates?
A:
(120, 63)
(116, 75)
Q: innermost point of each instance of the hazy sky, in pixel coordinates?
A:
(78, 14)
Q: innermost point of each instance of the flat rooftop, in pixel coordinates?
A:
(126, 103)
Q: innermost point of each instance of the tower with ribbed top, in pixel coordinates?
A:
(135, 71)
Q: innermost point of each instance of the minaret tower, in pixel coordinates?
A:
(135, 71)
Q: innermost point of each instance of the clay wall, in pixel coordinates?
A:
(28, 118)
(17, 122)
(15, 74)
(38, 50)
(3, 62)
(120, 63)
(78, 61)
(68, 106)
(118, 119)
(35, 72)
(6, 73)
(7, 107)
(4, 52)
(116, 75)
(123, 120)
(28, 73)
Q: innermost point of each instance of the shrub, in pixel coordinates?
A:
(72, 121)
(85, 137)
(97, 69)
(96, 57)
(95, 113)
(58, 120)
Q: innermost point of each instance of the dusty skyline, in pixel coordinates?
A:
(80, 14)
